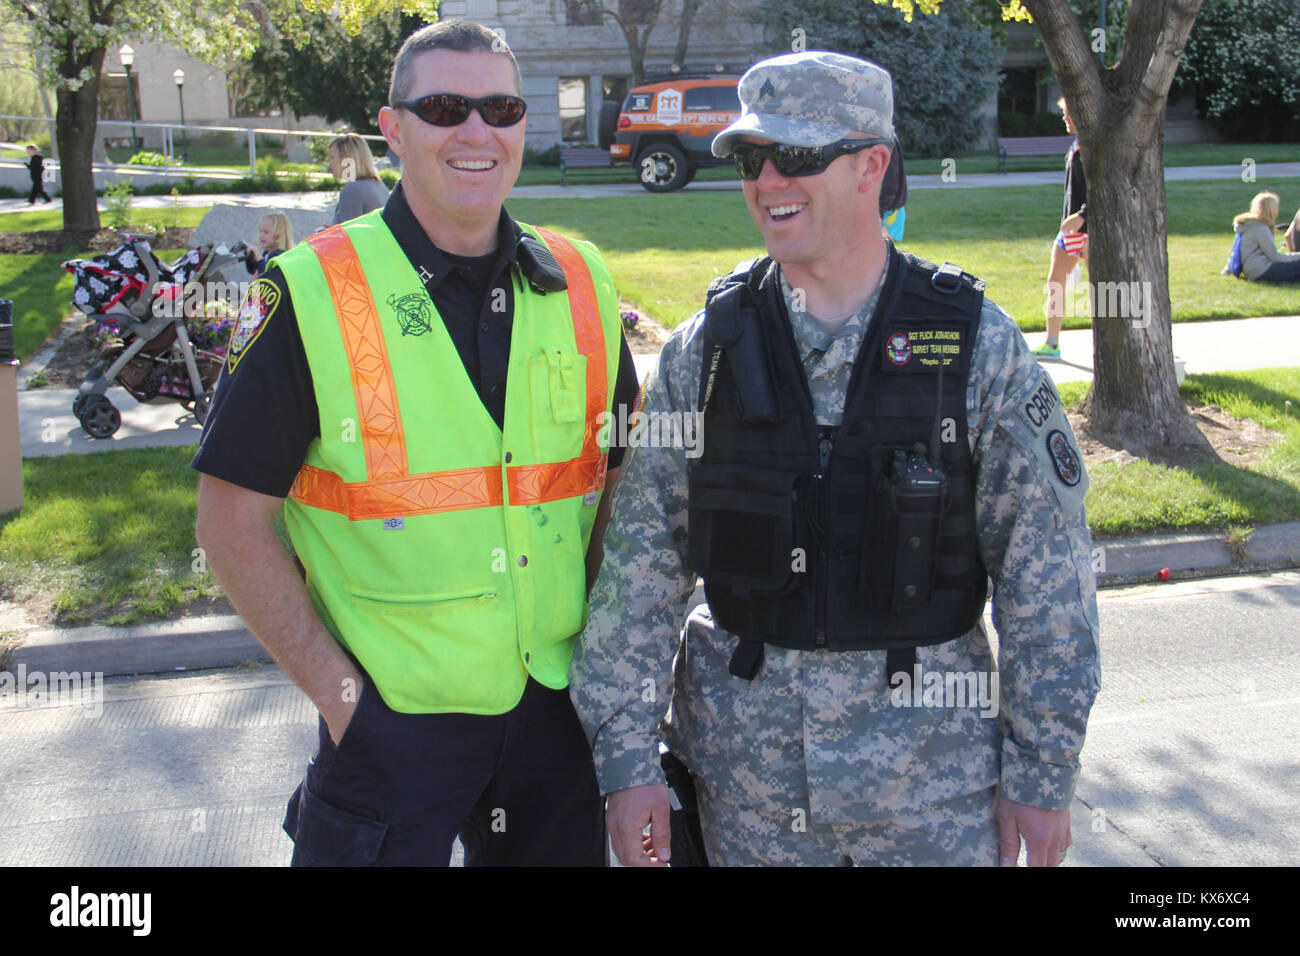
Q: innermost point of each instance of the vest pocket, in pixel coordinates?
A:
(557, 392)
(396, 603)
(745, 528)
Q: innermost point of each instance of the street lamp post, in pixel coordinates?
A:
(128, 57)
(179, 77)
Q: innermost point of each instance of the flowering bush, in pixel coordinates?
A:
(630, 318)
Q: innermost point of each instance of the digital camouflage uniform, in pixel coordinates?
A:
(811, 761)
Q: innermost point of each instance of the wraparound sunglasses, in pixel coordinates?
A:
(795, 160)
(452, 109)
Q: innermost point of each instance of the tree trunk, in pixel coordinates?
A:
(78, 119)
(1119, 114)
(689, 8)
(1134, 401)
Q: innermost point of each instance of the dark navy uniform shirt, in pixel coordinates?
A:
(264, 413)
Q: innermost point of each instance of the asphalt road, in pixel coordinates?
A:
(1191, 755)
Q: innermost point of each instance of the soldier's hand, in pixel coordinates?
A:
(1046, 833)
(626, 816)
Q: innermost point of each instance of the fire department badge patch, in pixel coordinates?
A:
(259, 304)
(412, 312)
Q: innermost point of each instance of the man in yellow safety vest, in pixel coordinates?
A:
(422, 389)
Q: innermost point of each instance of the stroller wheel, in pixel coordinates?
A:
(99, 418)
(200, 408)
(79, 403)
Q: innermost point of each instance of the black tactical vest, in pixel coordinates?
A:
(849, 538)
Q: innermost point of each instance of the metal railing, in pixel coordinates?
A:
(170, 128)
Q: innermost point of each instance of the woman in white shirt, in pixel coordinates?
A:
(1260, 259)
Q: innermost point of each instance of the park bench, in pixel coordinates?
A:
(1031, 146)
(581, 157)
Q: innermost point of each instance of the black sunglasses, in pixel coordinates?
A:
(795, 160)
(452, 109)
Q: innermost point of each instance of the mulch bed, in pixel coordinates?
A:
(105, 240)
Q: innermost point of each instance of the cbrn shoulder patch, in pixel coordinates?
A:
(1040, 425)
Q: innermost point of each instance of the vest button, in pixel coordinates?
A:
(910, 590)
(523, 563)
(507, 458)
(483, 327)
(914, 542)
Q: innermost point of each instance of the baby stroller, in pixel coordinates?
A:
(159, 337)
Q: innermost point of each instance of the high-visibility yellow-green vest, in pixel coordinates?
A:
(447, 554)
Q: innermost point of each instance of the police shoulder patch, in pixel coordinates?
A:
(259, 305)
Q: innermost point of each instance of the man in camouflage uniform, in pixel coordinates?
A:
(814, 760)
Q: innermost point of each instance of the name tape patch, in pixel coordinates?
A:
(923, 349)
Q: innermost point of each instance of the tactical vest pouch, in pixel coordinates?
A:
(745, 527)
(918, 501)
(733, 326)
(908, 499)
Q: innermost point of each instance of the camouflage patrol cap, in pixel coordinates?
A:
(811, 99)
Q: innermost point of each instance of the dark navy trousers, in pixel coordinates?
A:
(518, 788)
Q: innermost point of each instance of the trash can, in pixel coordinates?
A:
(11, 451)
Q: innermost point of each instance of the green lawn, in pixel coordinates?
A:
(39, 219)
(1141, 497)
(42, 295)
(664, 249)
(105, 538)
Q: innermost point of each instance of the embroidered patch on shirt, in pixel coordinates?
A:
(259, 305)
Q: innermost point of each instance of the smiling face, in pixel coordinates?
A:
(807, 219)
(266, 235)
(457, 176)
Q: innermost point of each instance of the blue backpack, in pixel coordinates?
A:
(1233, 268)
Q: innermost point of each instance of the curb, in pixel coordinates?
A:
(1126, 560)
(189, 644)
(223, 641)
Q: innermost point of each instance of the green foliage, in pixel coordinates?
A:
(389, 177)
(117, 198)
(146, 158)
(542, 157)
(1243, 61)
(8, 192)
(943, 65)
(336, 75)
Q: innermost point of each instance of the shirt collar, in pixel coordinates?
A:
(426, 256)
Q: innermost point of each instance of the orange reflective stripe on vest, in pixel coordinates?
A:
(372, 378)
(389, 491)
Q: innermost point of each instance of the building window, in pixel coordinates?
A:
(112, 96)
(573, 109)
(582, 13)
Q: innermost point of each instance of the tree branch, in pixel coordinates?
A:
(1153, 74)
(1077, 69)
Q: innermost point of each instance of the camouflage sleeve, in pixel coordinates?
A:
(1034, 539)
(621, 677)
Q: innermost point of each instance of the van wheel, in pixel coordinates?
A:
(662, 168)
